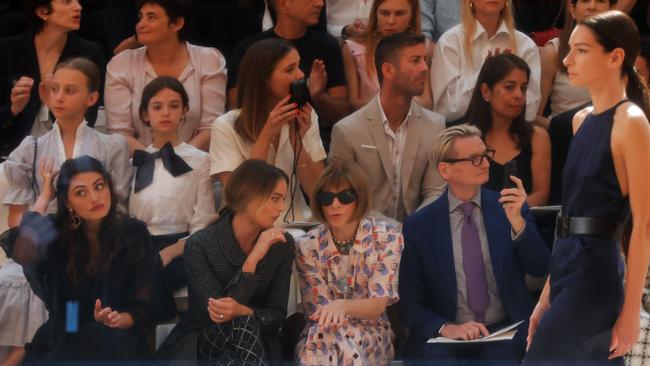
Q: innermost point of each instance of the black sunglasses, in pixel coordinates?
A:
(326, 198)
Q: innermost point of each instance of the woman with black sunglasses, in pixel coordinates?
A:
(348, 269)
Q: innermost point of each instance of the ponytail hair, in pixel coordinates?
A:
(615, 29)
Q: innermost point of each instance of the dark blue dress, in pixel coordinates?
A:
(586, 271)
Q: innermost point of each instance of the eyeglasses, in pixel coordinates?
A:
(476, 160)
(326, 198)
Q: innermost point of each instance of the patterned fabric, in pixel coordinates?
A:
(234, 343)
(640, 353)
(213, 265)
(369, 271)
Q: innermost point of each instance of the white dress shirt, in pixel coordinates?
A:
(343, 12)
(172, 205)
(228, 150)
(454, 74)
(395, 140)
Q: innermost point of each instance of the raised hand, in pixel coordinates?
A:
(20, 94)
(512, 200)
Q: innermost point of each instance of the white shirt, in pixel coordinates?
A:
(564, 96)
(395, 141)
(453, 75)
(111, 150)
(343, 12)
(228, 150)
(172, 205)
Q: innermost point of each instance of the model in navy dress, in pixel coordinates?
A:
(585, 314)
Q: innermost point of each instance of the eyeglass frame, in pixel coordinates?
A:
(487, 154)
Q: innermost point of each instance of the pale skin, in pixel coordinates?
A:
(255, 234)
(600, 72)
(66, 94)
(336, 313)
(464, 180)
(164, 113)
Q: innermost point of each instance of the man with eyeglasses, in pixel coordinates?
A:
(390, 137)
(462, 273)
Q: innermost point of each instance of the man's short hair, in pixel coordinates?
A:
(444, 145)
(389, 47)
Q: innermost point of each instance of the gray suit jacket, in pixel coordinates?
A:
(360, 137)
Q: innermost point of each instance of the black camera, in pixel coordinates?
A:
(299, 92)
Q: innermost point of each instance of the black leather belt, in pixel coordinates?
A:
(594, 226)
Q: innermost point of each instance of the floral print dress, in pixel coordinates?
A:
(370, 270)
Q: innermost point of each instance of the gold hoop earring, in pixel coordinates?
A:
(76, 220)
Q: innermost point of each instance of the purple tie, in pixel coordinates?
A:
(475, 280)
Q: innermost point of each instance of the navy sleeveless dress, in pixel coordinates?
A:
(586, 271)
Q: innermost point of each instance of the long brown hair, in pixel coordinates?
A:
(371, 37)
(259, 61)
(615, 29)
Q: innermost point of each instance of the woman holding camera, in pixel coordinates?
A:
(269, 127)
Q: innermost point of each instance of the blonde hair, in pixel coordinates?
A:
(338, 174)
(468, 20)
(443, 148)
(370, 39)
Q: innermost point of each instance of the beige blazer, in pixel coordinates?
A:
(361, 137)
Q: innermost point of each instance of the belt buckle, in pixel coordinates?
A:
(562, 226)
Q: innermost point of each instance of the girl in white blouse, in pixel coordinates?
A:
(172, 191)
(487, 27)
(270, 128)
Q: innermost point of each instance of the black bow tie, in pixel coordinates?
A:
(145, 163)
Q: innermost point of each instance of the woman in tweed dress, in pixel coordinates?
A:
(238, 271)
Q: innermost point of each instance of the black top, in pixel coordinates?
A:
(313, 45)
(589, 184)
(18, 58)
(223, 24)
(126, 284)
(213, 263)
(524, 171)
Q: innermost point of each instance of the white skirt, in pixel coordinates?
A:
(21, 311)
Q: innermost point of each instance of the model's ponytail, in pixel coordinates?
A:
(637, 90)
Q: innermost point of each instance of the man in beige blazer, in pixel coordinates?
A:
(392, 137)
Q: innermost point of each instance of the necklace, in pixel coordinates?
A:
(343, 246)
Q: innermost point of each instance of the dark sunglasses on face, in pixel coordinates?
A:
(326, 198)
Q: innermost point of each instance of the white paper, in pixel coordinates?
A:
(503, 334)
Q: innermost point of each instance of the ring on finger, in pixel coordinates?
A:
(220, 316)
